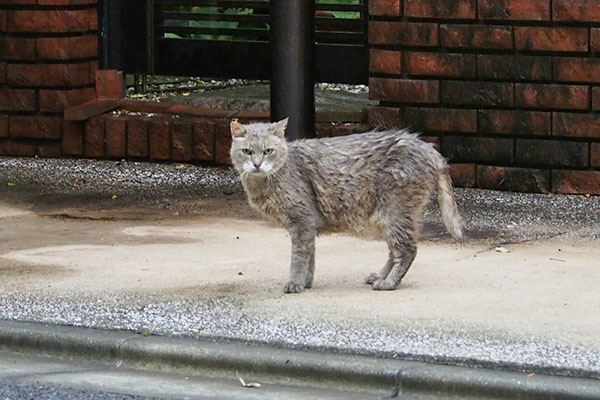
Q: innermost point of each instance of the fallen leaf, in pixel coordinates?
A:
(114, 196)
(249, 384)
(10, 184)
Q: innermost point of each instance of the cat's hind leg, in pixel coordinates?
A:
(401, 238)
(403, 257)
(383, 273)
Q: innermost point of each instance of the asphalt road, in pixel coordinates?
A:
(35, 377)
(11, 390)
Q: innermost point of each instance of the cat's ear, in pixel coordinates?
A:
(237, 129)
(278, 128)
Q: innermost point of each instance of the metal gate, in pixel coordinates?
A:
(227, 38)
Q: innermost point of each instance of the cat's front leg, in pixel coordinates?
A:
(311, 270)
(303, 247)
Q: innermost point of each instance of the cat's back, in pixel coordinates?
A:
(356, 141)
(370, 149)
(349, 175)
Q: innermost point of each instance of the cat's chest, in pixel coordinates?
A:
(265, 200)
(267, 205)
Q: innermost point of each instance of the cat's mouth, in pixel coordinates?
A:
(263, 172)
(255, 171)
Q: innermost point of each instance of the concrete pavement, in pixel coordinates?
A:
(521, 294)
(532, 303)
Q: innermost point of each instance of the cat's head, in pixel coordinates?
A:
(258, 148)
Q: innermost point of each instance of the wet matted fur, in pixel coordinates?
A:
(376, 181)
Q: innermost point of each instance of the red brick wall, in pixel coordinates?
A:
(511, 88)
(166, 137)
(157, 138)
(48, 55)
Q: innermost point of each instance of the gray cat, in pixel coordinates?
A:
(374, 182)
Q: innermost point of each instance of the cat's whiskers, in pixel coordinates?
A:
(244, 175)
(274, 174)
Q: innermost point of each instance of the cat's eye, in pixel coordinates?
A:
(268, 152)
(247, 152)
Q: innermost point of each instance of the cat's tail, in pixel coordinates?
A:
(452, 219)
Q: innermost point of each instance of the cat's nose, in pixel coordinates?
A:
(257, 165)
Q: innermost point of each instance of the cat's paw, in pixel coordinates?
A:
(308, 283)
(293, 287)
(371, 278)
(383, 284)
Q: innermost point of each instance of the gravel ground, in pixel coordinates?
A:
(54, 184)
(76, 176)
(57, 184)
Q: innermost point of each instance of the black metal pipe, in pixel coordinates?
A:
(292, 66)
(111, 48)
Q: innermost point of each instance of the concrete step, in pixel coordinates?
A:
(295, 369)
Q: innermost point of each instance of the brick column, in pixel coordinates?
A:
(510, 88)
(48, 56)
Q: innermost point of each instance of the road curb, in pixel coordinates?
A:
(287, 366)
